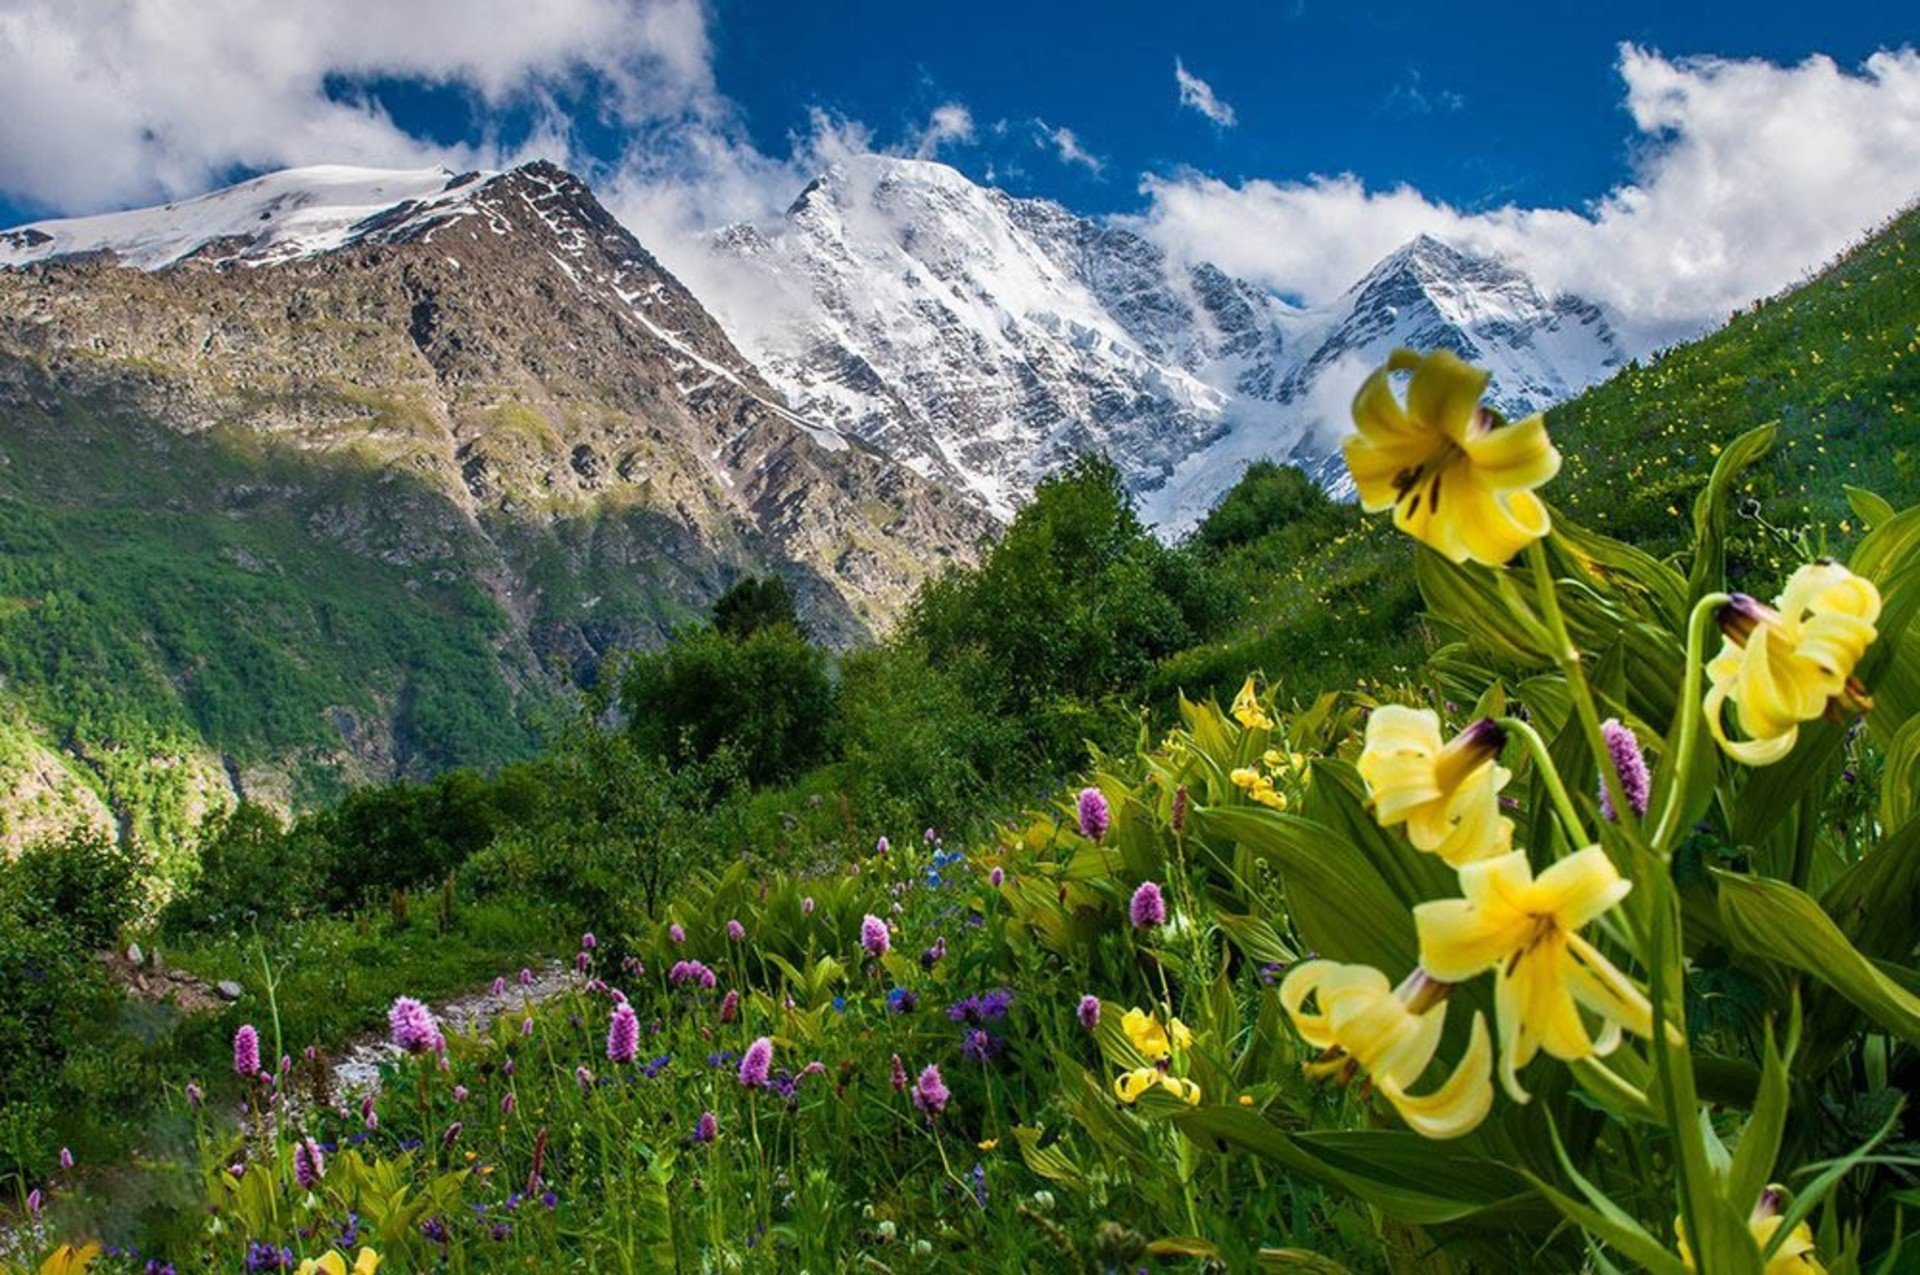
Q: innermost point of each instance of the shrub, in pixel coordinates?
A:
(84, 884)
(252, 867)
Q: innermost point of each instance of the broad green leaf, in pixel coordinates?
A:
(1708, 571)
(1659, 590)
(1774, 921)
(1759, 1142)
(1868, 507)
(1337, 799)
(1297, 1260)
(1253, 936)
(1900, 779)
(1051, 1161)
(1338, 900)
(1404, 1175)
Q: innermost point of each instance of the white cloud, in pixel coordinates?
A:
(1748, 174)
(1199, 94)
(112, 101)
(1066, 144)
(950, 124)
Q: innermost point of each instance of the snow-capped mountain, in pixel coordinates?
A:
(299, 212)
(425, 384)
(985, 340)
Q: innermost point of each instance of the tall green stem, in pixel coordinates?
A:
(1687, 742)
(1543, 762)
(1567, 656)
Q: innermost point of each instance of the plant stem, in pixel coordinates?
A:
(1543, 761)
(1567, 656)
(1687, 741)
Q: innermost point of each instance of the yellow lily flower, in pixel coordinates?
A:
(1784, 665)
(1130, 1086)
(1457, 476)
(1247, 710)
(68, 1260)
(1259, 787)
(1795, 1256)
(1157, 1044)
(366, 1263)
(1362, 1023)
(1447, 794)
(1526, 929)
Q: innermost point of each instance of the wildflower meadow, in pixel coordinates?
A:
(1586, 943)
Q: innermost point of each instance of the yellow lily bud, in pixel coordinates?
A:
(1247, 710)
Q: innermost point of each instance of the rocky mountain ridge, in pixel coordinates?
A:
(488, 398)
(985, 339)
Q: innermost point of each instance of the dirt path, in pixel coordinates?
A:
(358, 1071)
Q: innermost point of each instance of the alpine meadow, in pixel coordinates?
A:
(553, 723)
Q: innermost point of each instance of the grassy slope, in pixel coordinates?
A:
(160, 593)
(1836, 362)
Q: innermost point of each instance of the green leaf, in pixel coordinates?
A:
(1759, 1142)
(1869, 508)
(1774, 921)
(1708, 571)
(1404, 1175)
(1253, 936)
(1900, 779)
(1337, 799)
(1338, 900)
(1051, 1161)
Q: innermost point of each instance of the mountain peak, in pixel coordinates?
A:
(296, 212)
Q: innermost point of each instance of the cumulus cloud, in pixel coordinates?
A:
(113, 101)
(1198, 94)
(1748, 173)
(1066, 144)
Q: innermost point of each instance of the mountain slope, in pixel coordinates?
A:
(350, 495)
(985, 340)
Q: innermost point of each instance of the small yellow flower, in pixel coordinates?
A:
(1360, 1022)
(1457, 476)
(1246, 1100)
(1795, 1256)
(1447, 794)
(333, 1264)
(1247, 710)
(1158, 1045)
(1129, 1087)
(1792, 662)
(1526, 929)
(1155, 1043)
(988, 1144)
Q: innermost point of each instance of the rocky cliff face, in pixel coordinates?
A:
(985, 340)
(478, 389)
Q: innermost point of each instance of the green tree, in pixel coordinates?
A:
(765, 697)
(755, 603)
(1071, 611)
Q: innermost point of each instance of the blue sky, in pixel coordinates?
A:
(1671, 160)
(1489, 104)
